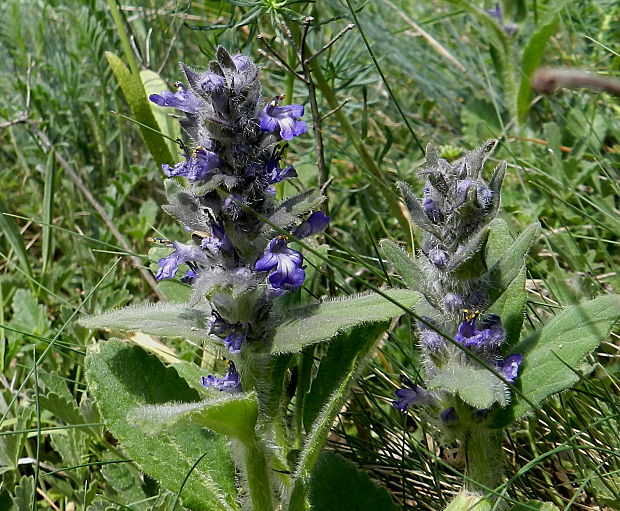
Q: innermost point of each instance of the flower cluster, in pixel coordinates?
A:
(238, 258)
(455, 212)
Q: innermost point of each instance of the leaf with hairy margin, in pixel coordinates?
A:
(184, 206)
(495, 184)
(417, 214)
(233, 415)
(290, 209)
(475, 385)
(498, 242)
(405, 265)
(122, 378)
(551, 354)
(510, 306)
(468, 262)
(509, 265)
(160, 319)
(322, 322)
(338, 485)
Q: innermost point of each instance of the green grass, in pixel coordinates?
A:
(456, 85)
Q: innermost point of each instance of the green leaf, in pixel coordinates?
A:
(338, 485)
(498, 242)
(232, 415)
(123, 378)
(404, 264)
(533, 505)
(168, 125)
(509, 265)
(29, 316)
(11, 446)
(125, 480)
(16, 242)
(160, 319)
(291, 208)
(175, 290)
(65, 410)
(416, 213)
(510, 306)
(551, 355)
(47, 242)
(24, 493)
(134, 93)
(331, 404)
(477, 386)
(333, 367)
(532, 57)
(322, 322)
(469, 263)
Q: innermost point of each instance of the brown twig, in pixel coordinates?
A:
(316, 116)
(330, 43)
(563, 148)
(547, 80)
(274, 56)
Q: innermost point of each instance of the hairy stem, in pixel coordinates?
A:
(483, 459)
(258, 475)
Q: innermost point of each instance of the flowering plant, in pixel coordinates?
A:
(470, 277)
(230, 441)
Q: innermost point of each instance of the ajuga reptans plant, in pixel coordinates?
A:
(470, 277)
(235, 257)
(249, 438)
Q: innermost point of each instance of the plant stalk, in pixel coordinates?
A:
(257, 474)
(482, 449)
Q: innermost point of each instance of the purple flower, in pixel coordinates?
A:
(429, 338)
(284, 264)
(275, 174)
(314, 224)
(431, 207)
(217, 242)
(453, 302)
(285, 117)
(449, 416)
(182, 99)
(413, 395)
(214, 85)
(490, 336)
(241, 62)
(233, 334)
(509, 367)
(231, 383)
(189, 278)
(485, 197)
(197, 165)
(234, 340)
(462, 188)
(182, 254)
(497, 13)
(210, 82)
(438, 257)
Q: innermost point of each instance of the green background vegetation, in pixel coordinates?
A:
(407, 74)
